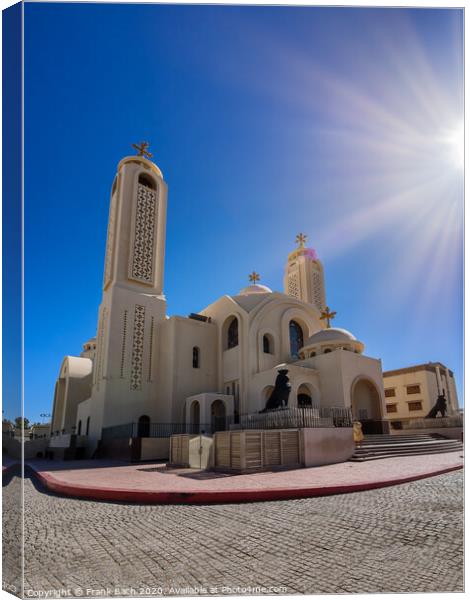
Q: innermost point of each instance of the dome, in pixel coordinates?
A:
(256, 288)
(332, 334)
(332, 338)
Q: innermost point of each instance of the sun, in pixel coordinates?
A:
(453, 146)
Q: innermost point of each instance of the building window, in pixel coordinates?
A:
(327, 351)
(296, 336)
(268, 344)
(415, 406)
(232, 334)
(79, 428)
(312, 354)
(392, 408)
(196, 356)
(413, 389)
(87, 426)
(390, 393)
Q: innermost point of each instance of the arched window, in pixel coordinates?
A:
(296, 336)
(268, 344)
(196, 355)
(232, 334)
(87, 426)
(327, 350)
(312, 354)
(79, 431)
(146, 180)
(143, 426)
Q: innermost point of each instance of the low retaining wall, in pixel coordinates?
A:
(257, 450)
(135, 449)
(32, 448)
(325, 446)
(154, 448)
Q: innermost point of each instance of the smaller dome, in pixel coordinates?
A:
(332, 338)
(256, 288)
(332, 334)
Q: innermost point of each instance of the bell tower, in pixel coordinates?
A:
(303, 277)
(133, 303)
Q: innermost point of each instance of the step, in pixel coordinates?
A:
(416, 449)
(412, 444)
(355, 458)
(387, 446)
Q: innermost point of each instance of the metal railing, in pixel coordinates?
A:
(286, 418)
(297, 418)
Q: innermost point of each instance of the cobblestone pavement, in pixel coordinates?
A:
(405, 538)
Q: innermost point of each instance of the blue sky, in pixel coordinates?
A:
(266, 121)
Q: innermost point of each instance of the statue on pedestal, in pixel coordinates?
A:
(279, 397)
(439, 407)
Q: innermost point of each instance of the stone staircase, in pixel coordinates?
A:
(385, 446)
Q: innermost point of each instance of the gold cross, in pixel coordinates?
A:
(326, 314)
(254, 277)
(301, 239)
(142, 149)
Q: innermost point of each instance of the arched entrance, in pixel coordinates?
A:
(143, 426)
(218, 421)
(365, 405)
(194, 416)
(304, 397)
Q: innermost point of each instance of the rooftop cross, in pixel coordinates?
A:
(301, 239)
(254, 277)
(142, 149)
(327, 315)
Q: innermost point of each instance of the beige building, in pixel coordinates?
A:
(411, 392)
(155, 370)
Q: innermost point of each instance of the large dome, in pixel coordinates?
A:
(256, 288)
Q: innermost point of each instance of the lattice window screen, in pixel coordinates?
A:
(146, 215)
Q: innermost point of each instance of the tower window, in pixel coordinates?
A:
(146, 180)
(232, 334)
(79, 428)
(296, 336)
(87, 426)
(196, 357)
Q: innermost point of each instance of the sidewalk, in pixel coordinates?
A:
(154, 484)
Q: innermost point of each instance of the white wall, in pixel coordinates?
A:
(325, 446)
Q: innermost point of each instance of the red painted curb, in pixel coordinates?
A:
(214, 497)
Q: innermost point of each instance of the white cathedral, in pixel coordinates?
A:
(145, 367)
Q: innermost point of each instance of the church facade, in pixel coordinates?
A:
(146, 367)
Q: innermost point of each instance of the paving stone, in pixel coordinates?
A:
(406, 538)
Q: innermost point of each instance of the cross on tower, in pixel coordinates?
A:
(327, 315)
(142, 149)
(254, 277)
(301, 239)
